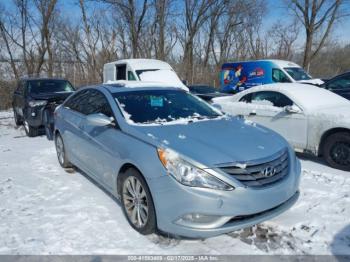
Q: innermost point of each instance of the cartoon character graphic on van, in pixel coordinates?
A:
(233, 79)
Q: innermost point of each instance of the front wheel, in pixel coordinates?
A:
(30, 130)
(137, 202)
(337, 151)
(61, 152)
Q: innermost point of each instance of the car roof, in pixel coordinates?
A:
(303, 94)
(124, 86)
(281, 63)
(143, 64)
(26, 78)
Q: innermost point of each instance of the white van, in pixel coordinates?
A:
(145, 70)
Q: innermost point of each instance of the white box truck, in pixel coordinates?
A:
(144, 70)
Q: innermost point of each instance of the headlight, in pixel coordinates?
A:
(187, 174)
(35, 103)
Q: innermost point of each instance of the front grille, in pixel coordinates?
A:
(260, 174)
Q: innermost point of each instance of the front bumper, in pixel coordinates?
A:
(240, 208)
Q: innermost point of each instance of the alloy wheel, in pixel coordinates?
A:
(135, 202)
(60, 150)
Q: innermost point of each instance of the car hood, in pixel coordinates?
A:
(52, 97)
(215, 142)
(314, 81)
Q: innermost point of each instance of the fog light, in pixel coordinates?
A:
(196, 220)
(33, 114)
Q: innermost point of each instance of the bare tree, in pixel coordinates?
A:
(318, 18)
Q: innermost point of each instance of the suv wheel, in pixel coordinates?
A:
(137, 202)
(30, 130)
(49, 126)
(61, 152)
(18, 120)
(337, 151)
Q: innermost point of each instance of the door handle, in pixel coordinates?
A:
(252, 113)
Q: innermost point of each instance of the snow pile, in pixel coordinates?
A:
(163, 76)
(47, 210)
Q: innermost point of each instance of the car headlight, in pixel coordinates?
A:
(35, 103)
(187, 174)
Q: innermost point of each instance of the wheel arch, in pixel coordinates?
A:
(122, 170)
(327, 134)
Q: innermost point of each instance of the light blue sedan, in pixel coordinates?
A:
(177, 164)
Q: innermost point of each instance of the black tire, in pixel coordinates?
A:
(150, 226)
(48, 124)
(17, 118)
(30, 130)
(336, 151)
(61, 152)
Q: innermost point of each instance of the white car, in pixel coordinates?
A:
(312, 119)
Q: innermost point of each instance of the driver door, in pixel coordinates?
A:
(268, 108)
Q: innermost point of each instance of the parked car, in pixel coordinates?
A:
(312, 119)
(176, 163)
(339, 84)
(145, 70)
(205, 92)
(239, 76)
(35, 100)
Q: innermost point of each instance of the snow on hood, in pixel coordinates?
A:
(315, 81)
(216, 141)
(163, 76)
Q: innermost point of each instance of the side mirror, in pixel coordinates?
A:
(292, 109)
(99, 120)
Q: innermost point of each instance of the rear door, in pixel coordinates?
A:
(268, 108)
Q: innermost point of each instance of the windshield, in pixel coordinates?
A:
(49, 86)
(297, 73)
(203, 89)
(161, 106)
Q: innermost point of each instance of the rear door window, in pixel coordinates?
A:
(121, 72)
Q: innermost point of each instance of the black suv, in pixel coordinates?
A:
(339, 84)
(35, 100)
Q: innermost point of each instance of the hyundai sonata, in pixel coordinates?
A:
(177, 164)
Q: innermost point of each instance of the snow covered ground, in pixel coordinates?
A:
(47, 210)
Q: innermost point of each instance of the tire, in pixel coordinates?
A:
(336, 151)
(138, 209)
(61, 152)
(30, 130)
(17, 118)
(48, 124)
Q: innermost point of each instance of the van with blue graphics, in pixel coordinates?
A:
(239, 76)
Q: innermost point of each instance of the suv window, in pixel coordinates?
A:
(275, 98)
(279, 76)
(49, 86)
(339, 83)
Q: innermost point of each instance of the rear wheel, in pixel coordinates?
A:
(61, 152)
(30, 130)
(337, 151)
(17, 118)
(137, 202)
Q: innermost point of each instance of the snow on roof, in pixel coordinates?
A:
(142, 64)
(163, 76)
(308, 96)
